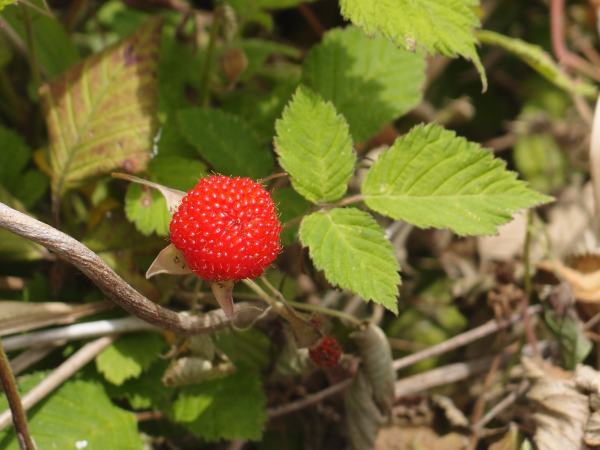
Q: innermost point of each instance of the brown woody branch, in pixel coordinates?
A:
(109, 282)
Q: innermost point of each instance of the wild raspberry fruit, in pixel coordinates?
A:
(227, 229)
(327, 353)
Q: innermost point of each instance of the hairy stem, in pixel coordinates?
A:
(14, 401)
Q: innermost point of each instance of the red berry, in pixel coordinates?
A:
(327, 353)
(227, 229)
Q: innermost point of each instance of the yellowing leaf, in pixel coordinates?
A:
(101, 112)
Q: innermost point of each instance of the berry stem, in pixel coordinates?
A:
(329, 312)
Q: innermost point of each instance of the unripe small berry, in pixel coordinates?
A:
(233, 63)
(227, 229)
(327, 353)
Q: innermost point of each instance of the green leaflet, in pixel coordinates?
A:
(101, 112)
(129, 356)
(445, 26)
(431, 178)
(230, 407)
(230, 146)
(351, 248)
(315, 148)
(369, 80)
(540, 61)
(78, 414)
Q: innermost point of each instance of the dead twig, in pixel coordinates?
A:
(107, 280)
(463, 339)
(501, 406)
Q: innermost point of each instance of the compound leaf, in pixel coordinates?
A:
(315, 148)
(431, 178)
(351, 248)
(129, 356)
(370, 81)
(229, 145)
(445, 26)
(101, 112)
(230, 407)
(78, 415)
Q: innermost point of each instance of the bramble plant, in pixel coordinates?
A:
(234, 138)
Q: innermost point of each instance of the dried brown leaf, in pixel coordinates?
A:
(561, 411)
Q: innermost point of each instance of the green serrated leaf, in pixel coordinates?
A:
(100, 113)
(26, 186)
(290, 205)
(261, 109)
(445, 26)
(230, 408)
(77, 415)
(315, 148)
(54, 49)
(258, 50)
(147, 391)
(147, 207)
(431, 178)
(129, 356)
(251, 348)
(115, 233)
(229, 145)
(351, 248)
(540, 61)
(370, 81)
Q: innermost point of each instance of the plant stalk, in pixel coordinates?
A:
(33, 63)
(203, 96)
(14, 401)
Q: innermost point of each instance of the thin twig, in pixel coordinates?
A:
(527, 286)
(501, 406)
(60, 375)
(107, 280)
(33, 355)
(463, 339)
(87, 330)
(453, 373)
(308, 400)
(312, 19)
(16, 411)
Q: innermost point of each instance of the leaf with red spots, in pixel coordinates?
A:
(101, 113)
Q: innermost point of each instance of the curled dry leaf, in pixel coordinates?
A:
(192, 370)
(561, 410)
(364, 420)
(376, 354)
